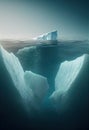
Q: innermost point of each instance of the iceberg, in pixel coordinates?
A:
(64, 67)
(30, 86)
(60, 64)
(46, 60)
(48, 36)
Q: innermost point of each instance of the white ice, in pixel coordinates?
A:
(47, 36)
(67, 74)
(31, 87)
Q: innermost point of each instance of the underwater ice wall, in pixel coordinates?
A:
(66, 79)
(67, 73)
(31, 87)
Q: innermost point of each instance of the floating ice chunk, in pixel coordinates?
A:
(48, 36)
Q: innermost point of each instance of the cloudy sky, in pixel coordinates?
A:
(25, 19)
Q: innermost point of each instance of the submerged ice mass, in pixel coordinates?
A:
(31, 87)
(67, 73)
(66, 76)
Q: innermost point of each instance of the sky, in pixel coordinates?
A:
(26, 19)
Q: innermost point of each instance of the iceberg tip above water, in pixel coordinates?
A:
(48, 36)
